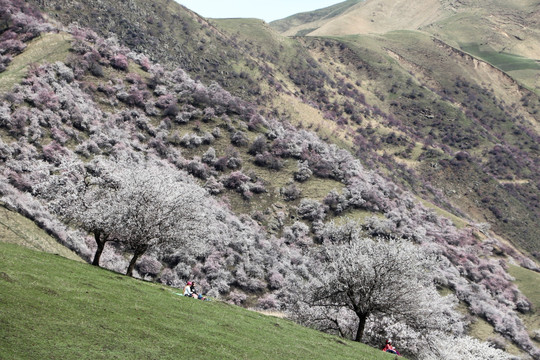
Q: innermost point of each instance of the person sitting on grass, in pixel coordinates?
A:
(195, 293)
(389, 348)
(188, 290)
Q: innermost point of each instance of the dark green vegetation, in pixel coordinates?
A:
(52, 307)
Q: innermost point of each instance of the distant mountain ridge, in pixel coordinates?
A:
(316, 16)
(511, 27)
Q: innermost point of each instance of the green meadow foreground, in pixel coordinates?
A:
(52, 308)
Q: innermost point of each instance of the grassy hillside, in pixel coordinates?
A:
(457, 132)
(167, 33)
(411, 100)
(53, 307)
(44, 49)
(313, 16)
(16, 229)
(500, 33)
(527, 281)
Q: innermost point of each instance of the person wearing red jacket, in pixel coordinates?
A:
(389, 348)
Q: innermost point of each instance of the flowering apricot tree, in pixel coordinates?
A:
(368, 278)
(139, 204)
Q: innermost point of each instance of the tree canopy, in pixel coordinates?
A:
(138, 204)
(373, 278)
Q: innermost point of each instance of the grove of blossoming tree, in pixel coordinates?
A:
(139, 204)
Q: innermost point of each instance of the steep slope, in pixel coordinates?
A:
(501, 33)
(106, 101)
(282, 67)
(17, 229)
(168, 33)
(366, 99)
(317, 16)
(51, 308)
(375, 16)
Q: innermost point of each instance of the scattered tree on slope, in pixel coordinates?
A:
(140, 205)
(373, 278)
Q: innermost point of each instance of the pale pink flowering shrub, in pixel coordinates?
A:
(236, 297)
(120, 62)
(267, 302)
(148, 266)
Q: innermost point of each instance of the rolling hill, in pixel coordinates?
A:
(339, 91)
(501, 33)
(401, 133)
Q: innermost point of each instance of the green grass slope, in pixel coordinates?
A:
(48, 48)
(501, 33)
(312, 16)
(16, 229)
(527, 282)
(52, 308)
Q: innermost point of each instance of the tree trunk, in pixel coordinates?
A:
(138, 252)
(361, 325)
(100, 246)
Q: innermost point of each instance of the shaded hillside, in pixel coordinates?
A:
(167, 33)
(411, 111)
(407, 103)
(451, 112)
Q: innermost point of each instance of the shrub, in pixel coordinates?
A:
(148, 266)
(268, 160)
(303, 173)
(237, 297)
(259, 146)
(290, 193)
(311, 210)
(235, 180)
(257, 187)
(191, 140)
(233, 159)
(209, 157)
(208, 138)
(213, 186)
(239, 138)
(198, 169)
(54, 152)
(120, 62)
(165, 101)
(267, 302)
(276, 280)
